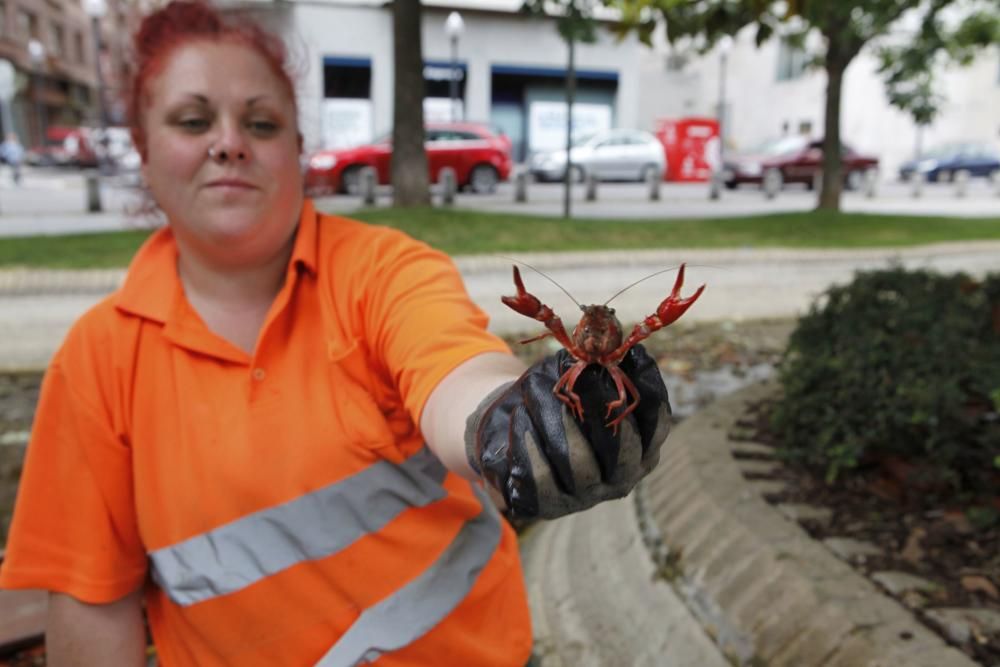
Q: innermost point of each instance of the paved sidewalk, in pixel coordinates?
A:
(37, 307)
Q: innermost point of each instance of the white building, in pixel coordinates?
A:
(512, 73)
(770, 92)
(511, 70)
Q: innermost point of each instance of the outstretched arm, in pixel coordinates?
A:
(456, 397)
(79, 633)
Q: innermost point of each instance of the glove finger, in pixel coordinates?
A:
(527, 468)
(596, 389)
(545, 412)
(653, 413)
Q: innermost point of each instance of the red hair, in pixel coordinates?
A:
(181, 22)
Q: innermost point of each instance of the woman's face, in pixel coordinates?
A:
(241, 205)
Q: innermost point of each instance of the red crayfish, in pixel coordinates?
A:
(598, 339)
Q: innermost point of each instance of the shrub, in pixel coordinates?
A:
(898, 364)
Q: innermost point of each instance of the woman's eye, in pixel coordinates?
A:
(263, 128)
(193, 124)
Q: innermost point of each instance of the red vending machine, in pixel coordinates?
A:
(691, 145)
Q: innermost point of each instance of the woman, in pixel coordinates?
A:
(262, 438)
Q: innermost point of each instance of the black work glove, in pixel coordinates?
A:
(546, 463)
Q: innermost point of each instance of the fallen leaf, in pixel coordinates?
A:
(977, 583)
(913, 550)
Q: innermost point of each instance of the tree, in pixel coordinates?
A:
(575, 23)
(846, 26)
(410, 180)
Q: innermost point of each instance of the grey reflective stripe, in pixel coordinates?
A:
(414, 609)
(313, 526)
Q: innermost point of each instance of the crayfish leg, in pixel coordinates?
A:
(623, 384)
(563, 389)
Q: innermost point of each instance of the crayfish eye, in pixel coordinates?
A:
(583, 308)
(611, 311)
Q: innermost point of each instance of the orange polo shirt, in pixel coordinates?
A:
(283, 502)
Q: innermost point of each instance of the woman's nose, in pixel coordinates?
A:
(230, 145)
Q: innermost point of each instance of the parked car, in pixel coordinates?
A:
(64, 146)
(626, 155)
(794, 159)
(942, 163)
(480, 158)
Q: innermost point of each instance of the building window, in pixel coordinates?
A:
(27, 24)
(792, 60)
(78, 51)
(58, 40)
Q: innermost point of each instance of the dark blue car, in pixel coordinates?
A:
(942, 164)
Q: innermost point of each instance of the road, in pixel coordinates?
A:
(55, 203)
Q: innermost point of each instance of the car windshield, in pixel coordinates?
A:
(943, 152)
(780, 146)
(584, 138)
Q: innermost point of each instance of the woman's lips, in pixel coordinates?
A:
(230, 183)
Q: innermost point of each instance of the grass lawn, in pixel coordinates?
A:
(462, 232)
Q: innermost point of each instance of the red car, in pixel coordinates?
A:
(480, 158)
(795, 159)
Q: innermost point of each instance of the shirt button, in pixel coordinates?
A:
(259, 374)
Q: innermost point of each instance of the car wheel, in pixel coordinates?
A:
(577, 173)
(649, 171)
(483, 179)
(350, 180)
(943, 176)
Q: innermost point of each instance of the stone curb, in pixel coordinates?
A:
(762, 586)
(24, 282)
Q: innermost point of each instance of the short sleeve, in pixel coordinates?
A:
(74, 529)
(424, 322)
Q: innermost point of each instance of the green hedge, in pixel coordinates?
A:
(898, 363)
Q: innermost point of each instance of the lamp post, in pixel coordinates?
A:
(96, 9)
(725, 46)
(718, 178)
(36, 53)
(454, 26)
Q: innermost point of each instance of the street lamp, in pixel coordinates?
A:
(725, 46)
(454, 26)
(36, 53)
(96, 9)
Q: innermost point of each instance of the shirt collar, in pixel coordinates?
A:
(152, 283)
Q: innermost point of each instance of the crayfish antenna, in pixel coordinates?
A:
(538, 337)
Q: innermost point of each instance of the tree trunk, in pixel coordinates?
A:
(833, 180)
(410, 181)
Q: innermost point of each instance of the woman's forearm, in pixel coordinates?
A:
(79, 634)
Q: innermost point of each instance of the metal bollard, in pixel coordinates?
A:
(715, 185)
(995, 179)
(653, 180)
(817, 180)
(917, 180)
(448, 181)
(590, 178)
(368, 180)
(521, 185)
(93, 192)
(871, 183)
(962, 178)
(772, 182)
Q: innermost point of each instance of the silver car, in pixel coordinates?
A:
(612, 155)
